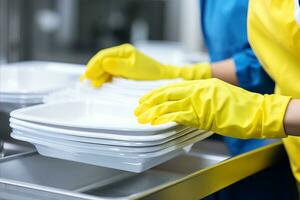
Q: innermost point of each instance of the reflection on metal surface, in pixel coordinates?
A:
(209, 180)
(65, 175)
(13, 147)
(190, 176)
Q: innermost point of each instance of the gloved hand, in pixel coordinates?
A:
(126, 61)
(212, 104)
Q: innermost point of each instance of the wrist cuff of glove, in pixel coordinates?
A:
(196, 72)
(169, 72)
(274, 107)
(192, 72)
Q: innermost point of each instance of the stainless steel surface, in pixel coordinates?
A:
(211, 179)
(36, 169)
(192, 176)
(168, 172)
(33, 176)
(30, 170)
(1, 148)
(5, 109)
(12, 147)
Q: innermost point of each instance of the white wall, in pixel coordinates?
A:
(190, 33)
(183, 23)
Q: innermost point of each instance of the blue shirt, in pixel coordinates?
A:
(224, 27)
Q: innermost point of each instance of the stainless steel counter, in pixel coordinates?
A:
(205, 170)
(13, 147)
(209, 180)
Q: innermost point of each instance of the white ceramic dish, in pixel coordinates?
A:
(21, 99)
(119, 90)
(75, 138)
(37, 77)
(108, 92)
(101, 147)
(21, 96)
(87, 114)
(129, 163)
(154, 154)
(101, 96)
(109, 153)
(109, 135)
(110, 88)
(147, 85)
(124, 164)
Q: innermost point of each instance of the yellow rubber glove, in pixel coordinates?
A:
(126, 61)
(212, 104)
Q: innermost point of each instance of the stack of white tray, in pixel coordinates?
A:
(28, 82)
(119, 90)
(101, 134)
(98, 127)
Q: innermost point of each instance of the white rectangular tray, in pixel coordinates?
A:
(133, 163)
(103, 134)
(81, 138)
(88, 114)
(109, 148)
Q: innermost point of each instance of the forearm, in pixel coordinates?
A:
(292, 118)
(225, 70)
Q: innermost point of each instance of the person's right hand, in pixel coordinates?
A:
(126, 61)
(215, 105)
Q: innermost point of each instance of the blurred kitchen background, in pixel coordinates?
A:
(73, 30)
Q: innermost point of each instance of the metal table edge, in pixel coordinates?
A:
(212, 179)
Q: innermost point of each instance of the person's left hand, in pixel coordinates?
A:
(212, 104)
(128, 62)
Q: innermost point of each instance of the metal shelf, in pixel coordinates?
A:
(191, 176)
